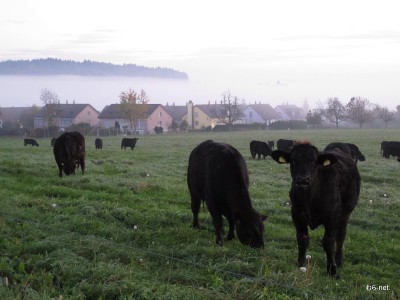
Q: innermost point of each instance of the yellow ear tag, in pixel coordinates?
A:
(327, 162)
(282, 159)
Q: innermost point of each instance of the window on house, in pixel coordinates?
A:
(160, 114)
(251, 114)
(196, 114)
(160, 123)
(196, 123)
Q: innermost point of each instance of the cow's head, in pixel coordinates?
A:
(69, 167)
(304, 160)
(251, 232)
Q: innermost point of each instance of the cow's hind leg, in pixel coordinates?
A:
(195, 204)
(340, 237)
(216, 216)
(82, 162)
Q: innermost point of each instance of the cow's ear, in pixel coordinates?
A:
(326, 159)
(280, 156)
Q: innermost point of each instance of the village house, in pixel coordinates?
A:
(155, 116)
(66, 115)
(260, 113)
(290, 112)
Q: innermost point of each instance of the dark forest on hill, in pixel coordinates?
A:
(52, 66)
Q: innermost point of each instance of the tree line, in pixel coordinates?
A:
(52, 66)
(358, 110)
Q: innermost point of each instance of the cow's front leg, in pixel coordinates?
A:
(302, 239)
(328, 242)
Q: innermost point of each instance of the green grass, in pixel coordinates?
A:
(123, 230)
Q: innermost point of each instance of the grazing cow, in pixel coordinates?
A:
(325, 189)
(284, 145)
(259, 148)
(30, 142)
(53, 140)
(217, 174)
(127, 142)
(390, 148)
(98, 143)
(271, 144)
(69, 152)
(347, 148)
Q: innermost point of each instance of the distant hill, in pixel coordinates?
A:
(52, 66)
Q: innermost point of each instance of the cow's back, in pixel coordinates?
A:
(216, 168)
(348, 180)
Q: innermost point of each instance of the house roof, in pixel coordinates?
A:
(290, 112)
(176, 112)
(212, 110)
(113, 111)
(265, 111)
(65, 110)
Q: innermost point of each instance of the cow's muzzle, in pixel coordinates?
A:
(303, 182)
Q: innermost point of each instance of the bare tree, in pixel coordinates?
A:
(335, 111)
(133, 106)
(228, 112)
(384, 114)
(50, 101)
(360, 110)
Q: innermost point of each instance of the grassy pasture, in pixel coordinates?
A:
(123, 230)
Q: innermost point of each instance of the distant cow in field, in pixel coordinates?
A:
(271, 144)
(98, 143)
(217, 174)
(284, 145)
(347, 148)
(259, 148)
(128, 142)
(325, 190)
(30, 142)
(53, 140)
(390, 148)
(69, 152)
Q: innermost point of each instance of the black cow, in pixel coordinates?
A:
(30, 142)
(325, 189)
(347, 148)
(271, 144)
(69, 152)
(53, 140)
(98, 143)
(284, 145)
(128, 142)
(390, 148)
(259, 148)
(217, 174)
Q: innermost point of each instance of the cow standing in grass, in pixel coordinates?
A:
(69, 152)
(325, 190)
(98, 143)
(258, 148)
(217, 174)
(30, 142)
(127, 142)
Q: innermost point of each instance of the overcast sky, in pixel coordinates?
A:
(268, 51)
